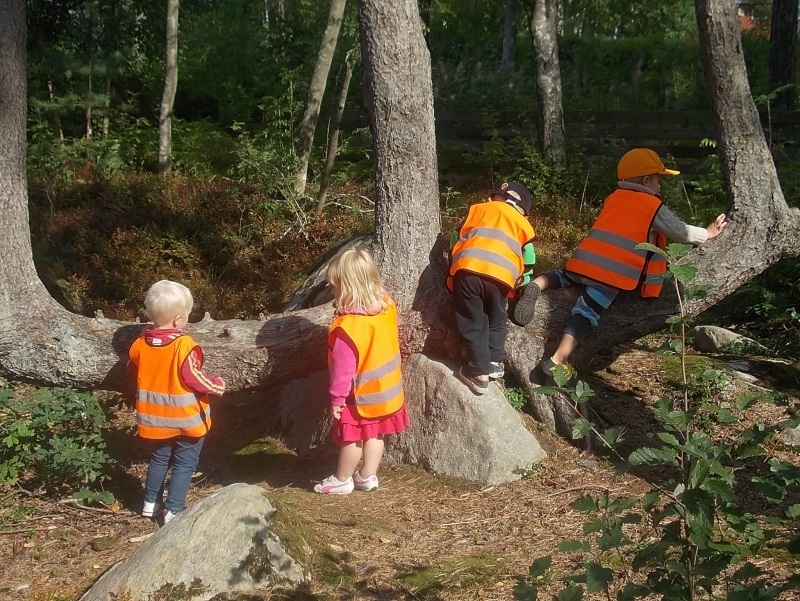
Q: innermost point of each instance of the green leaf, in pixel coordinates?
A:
(598, 577)
(540, 566)
(670, 439)
(651, 499)
(583, 392)
(650, 456)
(523, 591)
(747, 572)
(651, 248)
(677, 250)
(683, 273)
(769, 488)
(563, 374)
(572, 545)
(793, 512)
(545, 390)
(579, 428)
(573, 593)
(585, 504)
(696, 292)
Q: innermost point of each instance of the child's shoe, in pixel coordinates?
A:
(477, 386)
(148, 509)
(333, 486)
(168, 516)
(548, 367)
(368, 483)
(498, 371)
(524, 309)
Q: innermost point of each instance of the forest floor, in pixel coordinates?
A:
(419, 536)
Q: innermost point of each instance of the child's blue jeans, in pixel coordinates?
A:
(182, 453)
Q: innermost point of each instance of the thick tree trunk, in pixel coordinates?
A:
(763, 231)
(316, 90)
(170, 87)
(783, 51)
(333, 136)
(544, 17)
(509, 36)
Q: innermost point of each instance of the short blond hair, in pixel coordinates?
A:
(166, 300)
(354, 273)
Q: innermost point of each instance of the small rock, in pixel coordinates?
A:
(103, 543)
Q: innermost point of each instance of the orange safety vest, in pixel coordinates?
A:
(490, 243)
(165, 407)
(378, 382)
(608, 253)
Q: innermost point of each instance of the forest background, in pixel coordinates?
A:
(227, 221)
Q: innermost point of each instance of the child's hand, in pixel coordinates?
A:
(715, 228)
(336, 410)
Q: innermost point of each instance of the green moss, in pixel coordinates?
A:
(257, 459)
(673, 371)
(293, 531)
(471, 572)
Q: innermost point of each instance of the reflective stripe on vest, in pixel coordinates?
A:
(165, 407)
(608, 253)
(490, 243)
(378, 381)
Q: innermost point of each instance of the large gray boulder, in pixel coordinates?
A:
(456, 433)
(713, 339)
(452, 431)
(226, 542)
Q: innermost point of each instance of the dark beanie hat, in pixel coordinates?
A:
(516, 193)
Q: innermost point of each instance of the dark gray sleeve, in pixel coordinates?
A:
(668, 223)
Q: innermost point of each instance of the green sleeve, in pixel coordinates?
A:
(528, 255)
(453, 240)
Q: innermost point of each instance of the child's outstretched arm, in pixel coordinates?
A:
(195, 378)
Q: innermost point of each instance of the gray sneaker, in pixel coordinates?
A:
(526, 305)
(477, 386)
(498, 371)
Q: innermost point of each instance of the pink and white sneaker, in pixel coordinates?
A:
(333, 486)
(368, 483)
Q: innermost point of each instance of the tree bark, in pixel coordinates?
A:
(509, 37)
(90, 62)
(170, 87)
(783, 52)
(544, 17)
(333, 135)
(316, 90)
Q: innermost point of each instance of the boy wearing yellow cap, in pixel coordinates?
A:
(607, 261)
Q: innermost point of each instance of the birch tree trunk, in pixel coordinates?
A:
(316, 90)
(333, 135)
(509, 37)
(544, 17)
(170, 87)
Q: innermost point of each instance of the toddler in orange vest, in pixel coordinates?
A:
(491, 255)
(366, 384)
(172, 410)
(607, 261)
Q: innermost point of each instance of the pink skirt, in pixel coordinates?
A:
(353, 427)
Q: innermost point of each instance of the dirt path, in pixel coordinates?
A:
(417, 537)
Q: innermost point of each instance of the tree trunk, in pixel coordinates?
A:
(90, 62)
(509, 36)
(170, 87)
(333, 136)
(544, 19)
(316, 90)
(399, 97)
(56, 113)
(783, 51)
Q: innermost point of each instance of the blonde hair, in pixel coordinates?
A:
(166, 300)
(354, 273)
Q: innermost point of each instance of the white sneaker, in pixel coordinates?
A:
(333, 486)
(168, 516)
(148, 509)
(369, 483)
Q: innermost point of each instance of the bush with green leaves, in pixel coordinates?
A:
(692, 536)
(53, 439)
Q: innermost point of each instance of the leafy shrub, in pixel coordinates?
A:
(695, 538)
(52, 439)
